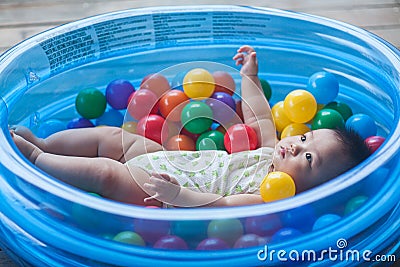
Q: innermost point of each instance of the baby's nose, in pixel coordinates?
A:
(295, 149)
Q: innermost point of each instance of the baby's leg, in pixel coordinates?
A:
(109, 142)
(109, 178)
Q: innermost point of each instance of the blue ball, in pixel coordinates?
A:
(301, 218)
(111, 117)
(362, 124)
(50, 127)
(118, 92)
(323, 86)
(325, 220)
(285, 234)
(79, 123)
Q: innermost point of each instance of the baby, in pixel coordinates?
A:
(130, 168)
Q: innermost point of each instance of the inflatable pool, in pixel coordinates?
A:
(44, 222)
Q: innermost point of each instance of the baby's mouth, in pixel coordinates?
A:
(282, 152)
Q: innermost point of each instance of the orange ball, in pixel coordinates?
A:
(172, 103)
(156, 83)
(224, 82)
(180, 142)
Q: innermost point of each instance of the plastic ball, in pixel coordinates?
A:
(354, 204)
(342, 108)
(156, 83)
(177, 81)
(129, 237)
(211, 140)
(196, 117)
(285, 234)
(327, 119)
(111, 117)
(171, 242)
(212, 244)
(224, 82)
(281, 120)
(151, 230)
(79, 123)
(198, 84)
(300, 106)
(130, 126)
(153, 127)
(240, 137)
(223, 107)
(249, 240)
(374, 142)
(228, 230)
(277, 185)
(172, 103)
(180, 142)
(142, 103)
(266, 89)
(50, 127)
(263, 225)
(118, 92)
(302, 218)
(362, 124)
(90, 103)
(325, 220)
(294, 129)
(323, 86)
(191, 231)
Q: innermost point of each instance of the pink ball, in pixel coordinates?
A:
(142, 103)
(157, 83)
(171, 242)
(153, 127)
(374, 142)
(224, 82)
(212, 244)
(240, 137)
(250, 240)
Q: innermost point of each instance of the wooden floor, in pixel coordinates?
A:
(20, 19)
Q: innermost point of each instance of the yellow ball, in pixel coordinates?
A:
(294, 129)
(198, 84)
(300, 106)
(281, 120)
(277, 185)
(129, 126)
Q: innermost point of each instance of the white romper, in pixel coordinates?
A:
(211, 171)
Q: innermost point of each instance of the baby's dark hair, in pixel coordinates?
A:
(353, 146)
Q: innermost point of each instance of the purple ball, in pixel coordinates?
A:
(151, 230)
(79, 123)
(212, 244)
(250, 240)
(171, 242)
(264, 225)
(118, 92)
(223, 107)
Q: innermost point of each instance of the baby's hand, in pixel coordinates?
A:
(246, 56)
(162, 187)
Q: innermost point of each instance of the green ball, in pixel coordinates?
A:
(90, 103)
(327, 119)
(266, 88)
(342, 108)
(354, 204)
(129, 237)
(228, 230)
(212, 140)
(197, 117)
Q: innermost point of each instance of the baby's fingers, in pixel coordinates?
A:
(246, 49)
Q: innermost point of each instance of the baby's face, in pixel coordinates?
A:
(310, 159)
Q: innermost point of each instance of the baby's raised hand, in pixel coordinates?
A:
(246, 56)
(162, 187)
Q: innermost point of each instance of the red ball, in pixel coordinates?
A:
(374, 142)
(240, 137)
(142, 103)
(153, 127)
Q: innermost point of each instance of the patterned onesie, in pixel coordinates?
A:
(211, 171)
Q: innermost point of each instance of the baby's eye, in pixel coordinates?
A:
(303, 138)
(309, 158)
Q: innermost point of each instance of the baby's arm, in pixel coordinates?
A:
(256, 110)
(166, 189)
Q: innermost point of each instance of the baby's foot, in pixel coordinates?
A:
(27, 134)
(29, 150)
